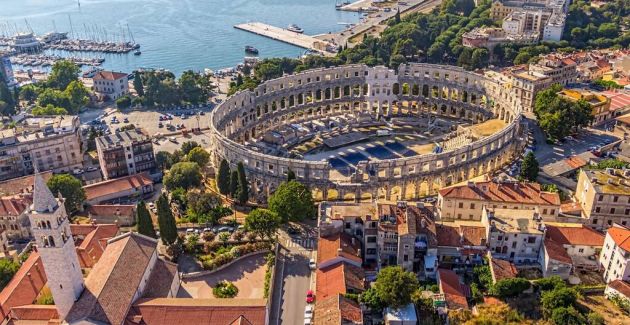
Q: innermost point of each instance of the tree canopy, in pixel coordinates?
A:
(292, 201)
(394, 286)
(529, 167)
(263, 222)
(223, 177)
(242, 193)
(71, 190)
(63, 72)
(558, 116)
(166, 221)
(184, 175)
(198, 155)
(143, 220)
(8, 268)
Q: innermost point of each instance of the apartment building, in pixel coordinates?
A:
(616, 254)
(545, 19)
(604, 197)
(562, 70)
(466, 202)
(461, 246)
(600, 104)
(125, 153)
(109, 85)
(48, 143)
(514, 234)
(570, 247)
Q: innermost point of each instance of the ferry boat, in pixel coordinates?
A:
(53, 37)
(295, 28)
(251, 49)
(91, 72)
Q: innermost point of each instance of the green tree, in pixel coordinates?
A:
(164, 160)
(233, 183)
(143, 220)
(567, 316)
(166, 221)
(371, 299)
(394, 286)
(290, 175)
(62, 74)
(78, 95)
(183, 174)
(198, 155)
(71, 190)
(8, 268)
(510, 287)
(137, 85)
(55, 98)
(48, 110)
(123, 102)
(594, 318)
(191, 90)
(529, 167)
(188, 146)
(29, 93)
(202, 205)
(243, 186)
(550, 283)
(263, 222)
(561, 297)
(223, 177)
(292, 201)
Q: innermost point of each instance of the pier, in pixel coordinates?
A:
(287, 36)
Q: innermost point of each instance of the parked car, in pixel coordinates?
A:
(308, 311)
(172, 139)
(77, 171)
(312, 265)
(92, 168)
(310, 297)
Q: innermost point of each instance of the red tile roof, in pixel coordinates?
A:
(621, 237)
(452, 289)
(167, 311)
(114, 280)
(459, 236)
(112, 209)
(11, 206)
(556, 251)
(528, 193)
(580, 235)
(502, 269)
(21, 185)
(337, 310)
(108, 75)
(572, 208)
(34, 313)
(117, 185)
(338, 278)
(22, 289)
(621, 286)
(338, 245)
(92, 247)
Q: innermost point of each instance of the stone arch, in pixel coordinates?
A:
(350, 196)
(332, 194)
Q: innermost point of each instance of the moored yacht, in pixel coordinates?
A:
(251, 49)
(295, 28)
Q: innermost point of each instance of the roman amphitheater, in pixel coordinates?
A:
(361, 133)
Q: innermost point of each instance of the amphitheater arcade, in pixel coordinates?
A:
(413, 90)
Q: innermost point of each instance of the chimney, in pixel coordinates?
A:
(353, 241)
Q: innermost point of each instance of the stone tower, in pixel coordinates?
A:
(51, 229)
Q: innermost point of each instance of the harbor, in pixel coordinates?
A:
(290, 37)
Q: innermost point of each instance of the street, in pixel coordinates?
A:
(293, 278)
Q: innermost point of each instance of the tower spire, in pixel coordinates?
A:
(43, 199)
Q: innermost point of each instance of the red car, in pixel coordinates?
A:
(310, 296)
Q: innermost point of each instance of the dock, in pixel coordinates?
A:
(287, 36)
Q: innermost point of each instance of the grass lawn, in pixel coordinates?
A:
(487, 128)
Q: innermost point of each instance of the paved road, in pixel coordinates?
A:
(293, 279)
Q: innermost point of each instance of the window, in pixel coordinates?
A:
(612, 210)
(581, 250)
(553, 211)
(500, 238)
(595, 221)
(472, 205)
(531, 240)
(513, 244)
(405, 257)
(610, 222)
(600, 198)
(544, 211)
(461, 205)
(371, 239)
(598, 209)
(615, 198)
(370, 251)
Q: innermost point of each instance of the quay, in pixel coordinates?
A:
(287, 36)
(358, 6)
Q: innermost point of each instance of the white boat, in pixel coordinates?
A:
(295, 28)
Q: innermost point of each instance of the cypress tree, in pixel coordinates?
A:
(137, 85)
(166, 221)
(233, 183)
(223, 177)
(143, 219)
(529, 167)
(290, 175)
(243, 190)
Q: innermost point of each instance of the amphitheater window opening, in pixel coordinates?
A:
(327, 93)
(266, 108)
(274, 107)
(439, 164)
(453, 111)
(446, 76)
(405, 89)
(397, 172)
(444, 93)
(318, 79)
(283, 102)
(473, 98)
(346, 90)
(411, 170)
(436, 75)
(356, 91)
(337, 93)
(382, 173)
(465, 96)
(327, 77)
(396, 88)
(415, 90)
(291, 101)
(318, 95)
(425, 91)
(366, 90)
(434, 92)
(443, 109)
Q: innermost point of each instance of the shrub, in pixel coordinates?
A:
(238, 235)
(208, 236)
(225, 289)
(510, 287)
(271, 260)
(550, 283)
(211, 246)
(561, 297)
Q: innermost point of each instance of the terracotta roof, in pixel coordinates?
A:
(460, 235)
(117, 185)
(91, 247)
(108, 75)
(575, 162)
(21, 290)
(622, 286)
(556, 251)
(11, 206)
(337, 245)
(579, 235)
(34, 312)
(167, 311)
(114, 280)
(161, 279)
(528, 193)
(621, 237)
(112, 209)
(452, 289)
(335, 310)
(572, 208)
(502, 269)
(338, 278)
(22, 184)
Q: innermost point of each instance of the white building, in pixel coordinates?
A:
(567, 248)
(51, 229)
(514, 235)
(109, 85)
(616, 254)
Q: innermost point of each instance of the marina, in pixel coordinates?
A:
(290, 37)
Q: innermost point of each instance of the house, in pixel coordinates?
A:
(466, 202)
(501, 269)
(125, 153)
(13, 218)
(338, 247)
(513, 234)
(461, 246)
(110, 85)
(604, 196)
(453, 292)
(25, 285)
(568, 247)
(616, 254)
(403, 316)
(120, 214)
(618, 288)
(91, 241)
(337, 310)
(124, 189)
(339, 278)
